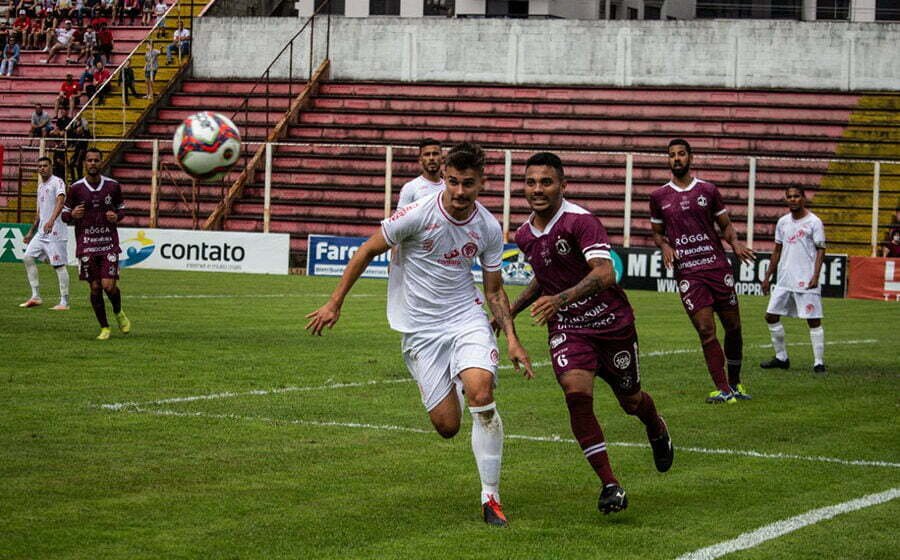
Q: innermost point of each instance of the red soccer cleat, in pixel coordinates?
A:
(32, 302)
(493, 513)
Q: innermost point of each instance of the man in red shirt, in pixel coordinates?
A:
(105, 43)
(68, 93)
(101, 74)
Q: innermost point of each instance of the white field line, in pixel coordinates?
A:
(292, 389)
(544, 439)
(785, 526)
(243, 296)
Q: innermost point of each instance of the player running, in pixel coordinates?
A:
(589, 319)
(95, 206)
(447, 343)
(430, 181)
(798, 256)
(47, 237)
(683, 215)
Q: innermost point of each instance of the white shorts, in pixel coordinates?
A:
(53, 252)
(803, 305)
(435, 359)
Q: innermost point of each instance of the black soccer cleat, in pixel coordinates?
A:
(493, 513)
(663, 450)
(775, 363)
(612, 499)
(819, 368)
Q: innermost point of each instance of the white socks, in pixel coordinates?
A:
(817, 337)
(31, 271)
(777, 332)
(487, 446)
(62, 273)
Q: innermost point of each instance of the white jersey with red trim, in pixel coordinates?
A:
(420, 187)
(47, 194)
(800, 240)
(430, 283)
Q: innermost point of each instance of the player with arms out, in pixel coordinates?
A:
(683, 214)
(589, 319)
(95, 206)
(447, 344)
(47, 237)
(430, 181)
(798, 256)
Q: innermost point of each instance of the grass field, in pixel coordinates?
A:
(319, 447)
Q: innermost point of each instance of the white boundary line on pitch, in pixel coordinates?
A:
(545, 439)
(243, 296)
(785, 526)
(330, 385)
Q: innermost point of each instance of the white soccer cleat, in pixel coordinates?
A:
(60, 307)
(32, 302)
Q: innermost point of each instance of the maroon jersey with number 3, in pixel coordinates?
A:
(689, 216)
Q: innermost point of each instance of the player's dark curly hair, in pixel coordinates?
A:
(464, 156)
(680, 142)
(550, 160)
(429, 142)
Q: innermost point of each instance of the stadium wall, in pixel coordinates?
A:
(734, 54)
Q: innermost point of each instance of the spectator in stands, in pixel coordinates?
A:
(62, 39)
(128, 80)
(181, 43)
(5, 34)
(86, 80)
(105, 43)
(68, 93)
(151, 66)
(146, 11)
(101, 74)
(79, 12)
(40, 122)
(37, 33)
(59, 127)
(159, 9)
(65, 9)
(891, 247)
(76, 45)
(131, 8)
(89, 45)
(10, 57)
(21, 27)
(79, 134)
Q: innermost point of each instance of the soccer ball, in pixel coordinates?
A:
(206, 145)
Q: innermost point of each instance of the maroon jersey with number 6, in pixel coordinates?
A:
(94, 234)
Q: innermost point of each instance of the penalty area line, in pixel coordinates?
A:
(136, 408)
(785, 526)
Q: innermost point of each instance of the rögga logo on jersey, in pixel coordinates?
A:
(701, 201)
(729, 280)
(557, 339)
(469, 250)
(562, 247)
(622, 359)
(684, 286)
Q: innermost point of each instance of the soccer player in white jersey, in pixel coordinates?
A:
(448, 344)
(798, 256)
(47, 237)
(430, 181)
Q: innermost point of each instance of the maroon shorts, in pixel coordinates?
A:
(611, 356)
(709, 288)
(98, 267)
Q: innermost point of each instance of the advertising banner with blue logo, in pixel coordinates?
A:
(328, 256)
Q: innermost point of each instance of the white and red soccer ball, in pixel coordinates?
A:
(206, 145)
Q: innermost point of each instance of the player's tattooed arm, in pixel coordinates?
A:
(498, 302)
(526, 298)
(730, 235)
(661, 241)
(601, 276)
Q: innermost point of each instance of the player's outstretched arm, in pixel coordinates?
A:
(328, 314)
(661, 241)
(601, 276)
(526, 298)
(730, 235)
(498, 301)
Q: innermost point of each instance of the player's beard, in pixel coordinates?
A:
(681, 172)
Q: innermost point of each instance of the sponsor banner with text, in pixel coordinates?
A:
(328, 256)
(874, 278)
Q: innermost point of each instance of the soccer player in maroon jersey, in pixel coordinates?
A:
(684, 213)
(589, 320)
(94, 205)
